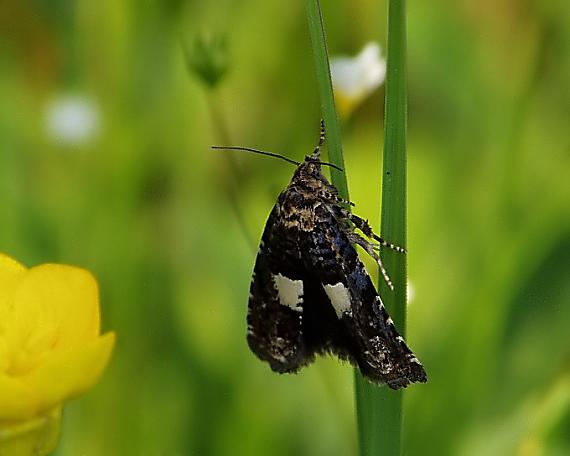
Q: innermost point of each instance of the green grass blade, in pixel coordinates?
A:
(393, 218)
(322, 67)
(379, 410)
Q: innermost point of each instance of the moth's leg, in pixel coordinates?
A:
(369, 247)
(363, 226)
(330, 196)
(341, 201)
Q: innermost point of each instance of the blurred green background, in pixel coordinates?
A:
(105, 164)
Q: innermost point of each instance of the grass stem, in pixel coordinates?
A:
(388, 440)
(379, 410)
(324, 82)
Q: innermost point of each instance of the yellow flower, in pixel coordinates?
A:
(51, 349)
(355, 78)
(38, 436)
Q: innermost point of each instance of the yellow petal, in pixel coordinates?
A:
(9, 266)
(345, 104)
(60, 300)
(38, 436)
(64, 375)
(10, 273)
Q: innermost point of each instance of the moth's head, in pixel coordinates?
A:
(310, 169)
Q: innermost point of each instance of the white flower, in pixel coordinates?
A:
(72, 120)
(355, 78)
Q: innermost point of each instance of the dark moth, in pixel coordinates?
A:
(310, 293)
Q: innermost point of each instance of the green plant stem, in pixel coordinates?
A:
(379, 410)
(322, 67)
(393, 217)
(232, 187)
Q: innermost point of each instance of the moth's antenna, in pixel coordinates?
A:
(317, 151)
(314, 157)
(257, 151)
(332, 165)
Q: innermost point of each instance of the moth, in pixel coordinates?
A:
(310, 293)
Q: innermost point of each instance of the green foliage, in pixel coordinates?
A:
(325, 88)
(143, 205)
(378, 410)
(386, 417)
(207, 57)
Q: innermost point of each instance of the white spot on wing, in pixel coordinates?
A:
(340, 298)
(290, 291)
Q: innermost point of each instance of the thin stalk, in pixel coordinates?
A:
(388, 439)
(379, 412)
(363, 390)
(324, 82)
(232, 187)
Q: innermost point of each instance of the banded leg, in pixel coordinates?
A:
(331, 197)
(337, 199)
(363, 226)
(369, 247)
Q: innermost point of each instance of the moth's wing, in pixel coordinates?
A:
(371, 339)
(323, 332)
(275, 311)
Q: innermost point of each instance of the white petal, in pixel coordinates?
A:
(72, 119)
(373, 66)
(356, 77)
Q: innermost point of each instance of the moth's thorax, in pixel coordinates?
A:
(300, 200)
(297, 208)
